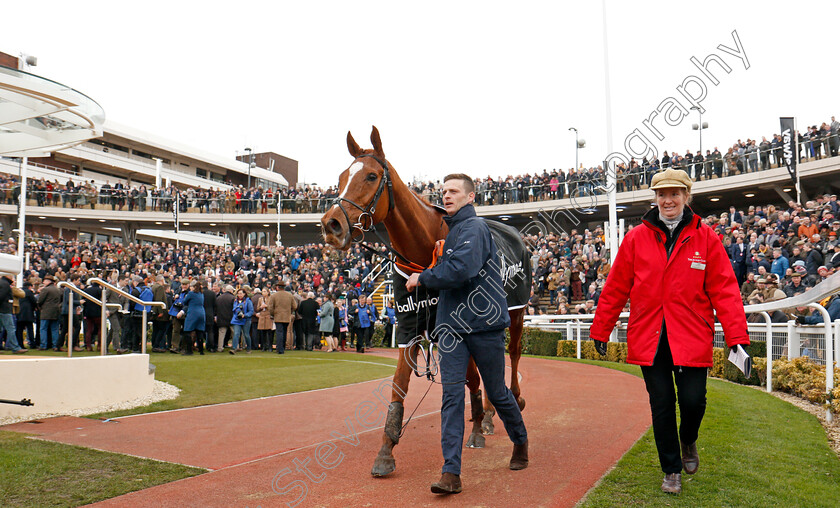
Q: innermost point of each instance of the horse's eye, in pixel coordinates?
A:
(371, 176)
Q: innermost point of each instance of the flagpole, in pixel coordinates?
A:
(22, 218)
(177, 226)
(796, 144)
(611, 180)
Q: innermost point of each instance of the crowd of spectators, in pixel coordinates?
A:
(746, 156)
(776, 252)
(161, 272)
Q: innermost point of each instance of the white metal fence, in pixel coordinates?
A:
(818, 342)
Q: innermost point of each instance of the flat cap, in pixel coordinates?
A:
(671, 178)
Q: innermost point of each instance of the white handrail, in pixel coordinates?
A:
(137, 301)
(86, 296)
(97, 280)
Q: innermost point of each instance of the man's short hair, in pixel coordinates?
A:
(469, 185)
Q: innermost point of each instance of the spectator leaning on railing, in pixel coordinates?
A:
(741, 157)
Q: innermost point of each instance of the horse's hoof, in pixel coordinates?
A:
(475, 441)
(383, 466)
(487, 427)
(521, 402)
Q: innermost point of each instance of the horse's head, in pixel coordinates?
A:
(365, 196)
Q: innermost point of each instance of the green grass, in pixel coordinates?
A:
(39, 473)
(221, 377)
(755, 450)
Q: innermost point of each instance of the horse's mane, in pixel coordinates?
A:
(426, 201)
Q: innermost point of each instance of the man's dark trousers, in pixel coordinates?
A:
(134, 332)
(488, 351)
(158, 334)
(280, 331)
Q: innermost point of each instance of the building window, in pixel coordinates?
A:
(106, 145)
(142, 154)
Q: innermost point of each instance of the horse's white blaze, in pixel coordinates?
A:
(354, 168)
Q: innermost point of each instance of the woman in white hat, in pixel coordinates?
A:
(676, 274)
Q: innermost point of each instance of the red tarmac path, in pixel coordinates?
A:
(251, 447)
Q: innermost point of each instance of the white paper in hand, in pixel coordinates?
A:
(741, 359)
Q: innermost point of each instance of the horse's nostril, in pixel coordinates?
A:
(334, 226)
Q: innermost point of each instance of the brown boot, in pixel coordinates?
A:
(672, 483)
(690, 459)
(448, 484)
(519, 459)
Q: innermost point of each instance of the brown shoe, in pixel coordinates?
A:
(672, 483)
(519, 458)
(448, 484)
(690, 459)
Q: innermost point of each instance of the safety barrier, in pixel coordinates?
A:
(108, 287)
(820, 342)
(83, 297)
(633, 178)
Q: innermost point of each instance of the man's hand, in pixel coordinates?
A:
(412, 281)
(600, 347)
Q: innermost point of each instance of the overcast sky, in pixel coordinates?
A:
(486, 88)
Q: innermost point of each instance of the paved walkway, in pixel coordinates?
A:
(272, 451)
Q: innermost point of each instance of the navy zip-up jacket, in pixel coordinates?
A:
(467, 274)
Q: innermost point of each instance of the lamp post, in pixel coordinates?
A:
(24, 163)
(700, 126)
(577, 146)
(250, 163)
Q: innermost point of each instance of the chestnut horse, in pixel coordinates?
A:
(372, 193)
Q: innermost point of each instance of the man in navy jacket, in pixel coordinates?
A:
(471, 320)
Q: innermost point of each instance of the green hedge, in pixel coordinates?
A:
(616, 351)
(731, 372)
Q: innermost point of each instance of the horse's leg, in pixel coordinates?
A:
(384, 463)
(487, 427)
(517, 322)
(476, 439)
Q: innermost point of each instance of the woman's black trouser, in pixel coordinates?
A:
(691, 393)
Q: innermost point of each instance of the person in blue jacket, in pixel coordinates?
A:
(389, 317)
(243, 309)
(194, 319)
(174, 310)
(364, 317)
(816, 317)
(471, 320)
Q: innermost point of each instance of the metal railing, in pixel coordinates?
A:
(635, 177)
(143, 330)
(83, 297)
(377, 270)
(819, 339)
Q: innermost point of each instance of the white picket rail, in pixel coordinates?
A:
(822, 342)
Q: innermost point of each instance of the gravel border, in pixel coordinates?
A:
(160, 391)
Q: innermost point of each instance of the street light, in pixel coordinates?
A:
(579, 143)
(250, 163)
(700, 126)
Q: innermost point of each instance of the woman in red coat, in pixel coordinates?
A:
(676, 274)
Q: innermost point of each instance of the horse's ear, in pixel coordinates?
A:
(376, 142)
(352, 146)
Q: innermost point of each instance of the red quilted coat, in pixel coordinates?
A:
(682, 289)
